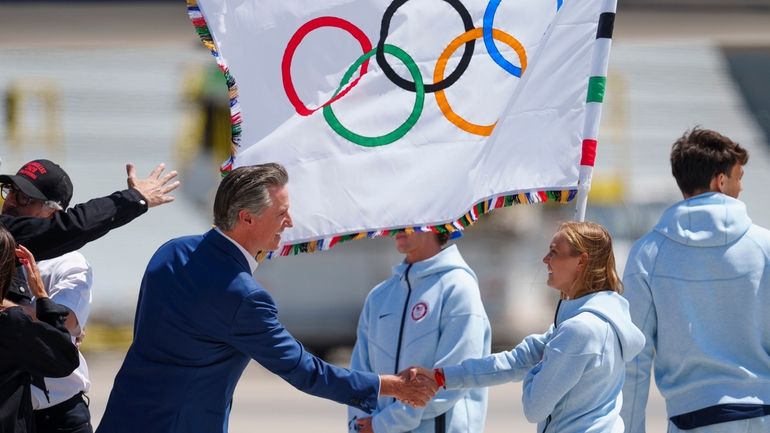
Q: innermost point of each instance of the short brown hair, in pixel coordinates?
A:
(699, 155)
(594, 240)
(246, 188)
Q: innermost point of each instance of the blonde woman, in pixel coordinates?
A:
(573, 373)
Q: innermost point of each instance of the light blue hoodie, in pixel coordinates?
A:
(573, 373)
(699, 289)
(444, 323)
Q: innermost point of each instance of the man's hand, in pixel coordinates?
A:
(411, 386)
(154, 188)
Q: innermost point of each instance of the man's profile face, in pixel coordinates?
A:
(266, 233)
(20, 205)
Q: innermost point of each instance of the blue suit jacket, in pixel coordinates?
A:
(201, 316)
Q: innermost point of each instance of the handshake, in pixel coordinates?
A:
(414, 386)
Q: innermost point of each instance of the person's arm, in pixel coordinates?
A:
(565, 361)
(69, 230)
(637, 384)
(44, 346)
(463, 333)
(498, 368)
(257, 332)
(359, 361)
(40, 348)
(70, 286)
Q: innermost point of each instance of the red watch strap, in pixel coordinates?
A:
(438, 376)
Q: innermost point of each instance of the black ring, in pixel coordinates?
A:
(405, 84)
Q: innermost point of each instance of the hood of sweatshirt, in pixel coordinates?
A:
(706, 220)
(447, 259)
(614, 309)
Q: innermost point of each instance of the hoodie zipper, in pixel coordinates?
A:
(547, 421)
(403, 317)
(555, 317)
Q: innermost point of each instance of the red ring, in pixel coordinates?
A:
(294, 42)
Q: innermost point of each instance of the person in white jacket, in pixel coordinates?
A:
(429, 312)
(573, 374)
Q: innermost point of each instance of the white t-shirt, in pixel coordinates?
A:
(67, 280)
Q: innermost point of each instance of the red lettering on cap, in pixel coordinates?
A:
(32, 169)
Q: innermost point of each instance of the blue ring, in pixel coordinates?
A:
(489, 18)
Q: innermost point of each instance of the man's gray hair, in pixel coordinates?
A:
(52, 205)
(246, 188)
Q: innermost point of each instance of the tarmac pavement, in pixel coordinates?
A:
(264, 403)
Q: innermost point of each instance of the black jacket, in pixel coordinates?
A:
(70, 230)
(29, 351)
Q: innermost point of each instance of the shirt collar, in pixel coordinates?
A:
(251, 260)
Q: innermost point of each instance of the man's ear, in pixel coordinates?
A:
(718, 183)
(245, 216)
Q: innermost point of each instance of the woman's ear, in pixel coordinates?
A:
(582, 261)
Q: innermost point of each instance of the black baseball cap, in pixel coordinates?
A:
(43, 180)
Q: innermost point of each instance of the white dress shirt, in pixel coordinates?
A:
(67, 280)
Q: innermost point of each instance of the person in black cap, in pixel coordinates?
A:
(41, 189)
(71, 229)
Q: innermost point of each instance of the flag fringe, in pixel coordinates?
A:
(202, 28)
(466, 220)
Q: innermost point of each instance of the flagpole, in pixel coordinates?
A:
(596, 87)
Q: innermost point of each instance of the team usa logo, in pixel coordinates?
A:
(417, 85)
(419, 311)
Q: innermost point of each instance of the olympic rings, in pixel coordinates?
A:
(438, 73)
(440, 83)
(465, 60)
(288, 86)
(402, 129)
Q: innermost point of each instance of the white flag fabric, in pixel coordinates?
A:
(415, 115)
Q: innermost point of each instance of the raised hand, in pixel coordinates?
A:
(33, 273)
(154, 188)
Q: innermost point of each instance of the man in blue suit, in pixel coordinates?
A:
(201, 316)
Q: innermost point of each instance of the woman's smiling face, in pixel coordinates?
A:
(562, 264)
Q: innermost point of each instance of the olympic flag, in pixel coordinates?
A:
(411, 115)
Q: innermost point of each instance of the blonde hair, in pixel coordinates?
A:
(599, 272)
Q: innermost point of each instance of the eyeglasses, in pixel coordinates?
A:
(21, 199)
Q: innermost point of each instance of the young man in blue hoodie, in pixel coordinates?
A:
(429, 312)
(699, 288)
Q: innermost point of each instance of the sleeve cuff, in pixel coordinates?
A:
(453, 376)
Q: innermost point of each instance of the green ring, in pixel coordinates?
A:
(399, 132)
